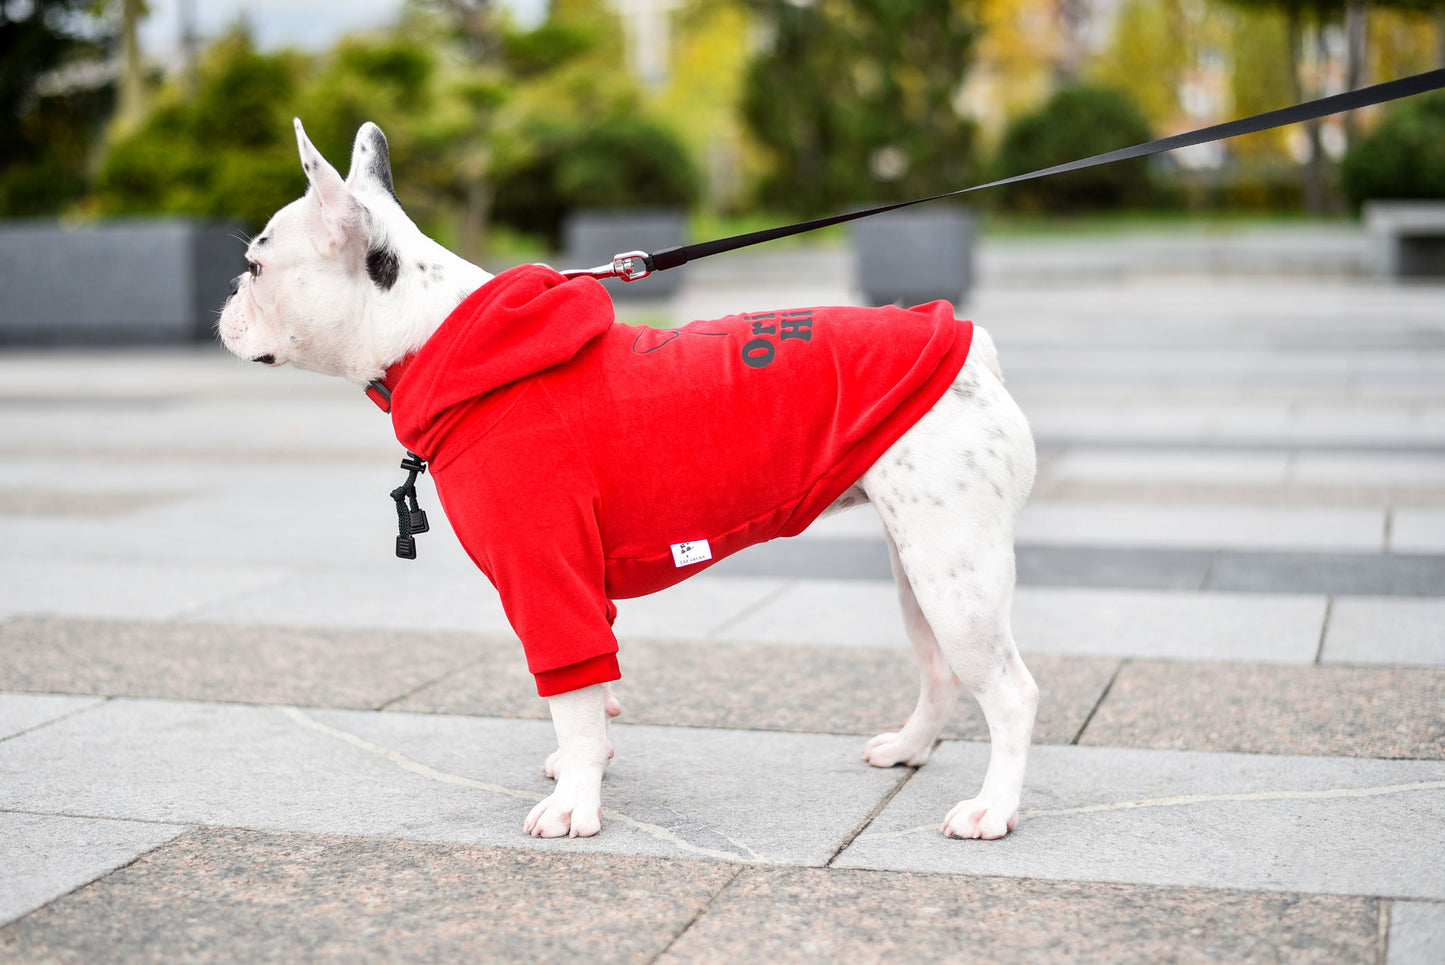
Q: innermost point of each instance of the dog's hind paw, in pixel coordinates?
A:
(886, 750)
(978, 819)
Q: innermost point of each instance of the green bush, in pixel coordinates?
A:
(1402, 158)
(1077, 122)
(620, 162)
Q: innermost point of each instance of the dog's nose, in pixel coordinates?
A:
(236, 284)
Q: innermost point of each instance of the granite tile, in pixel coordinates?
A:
(1185, 525)
(845, 613)
(44, 856)
(806, 915)
(820, 689)
(91, 504)
(1322, 825)
(436, 595)
(1112, 567)
(695, 607)
(1393, 631)
(1155, 624)
(1417, 933)
(1418, 531)
(22, 712)
(228, 895)
(208, 661)
(122, 588)
(670, 792)
(1358, 574)
(1383, 712)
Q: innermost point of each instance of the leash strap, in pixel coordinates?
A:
(633, 265)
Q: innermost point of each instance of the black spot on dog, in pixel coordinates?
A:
(265, 359)
(383, 267)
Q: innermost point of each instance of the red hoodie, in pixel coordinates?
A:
(580, 460)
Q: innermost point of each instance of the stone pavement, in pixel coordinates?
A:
(233, 727)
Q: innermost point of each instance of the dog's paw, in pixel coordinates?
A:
(886, 750)
(979, 819)
(573, 810)
(560, 815)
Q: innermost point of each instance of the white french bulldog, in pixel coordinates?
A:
(342, 282)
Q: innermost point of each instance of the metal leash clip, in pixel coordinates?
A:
(629, 266)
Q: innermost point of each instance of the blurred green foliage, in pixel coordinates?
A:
(1077, 122)
(619, 161)
(1404, 157)
(47, 130)
(856, 100)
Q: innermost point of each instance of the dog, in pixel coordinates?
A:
(342, 282)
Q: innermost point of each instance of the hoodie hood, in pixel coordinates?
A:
(524, 321)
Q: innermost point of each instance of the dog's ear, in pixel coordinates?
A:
(335, 212)
(371, 162)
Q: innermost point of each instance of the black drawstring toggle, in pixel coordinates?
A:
(410, 518)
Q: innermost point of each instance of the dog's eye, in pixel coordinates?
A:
(254, 268)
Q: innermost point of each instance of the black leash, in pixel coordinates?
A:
(633, 265)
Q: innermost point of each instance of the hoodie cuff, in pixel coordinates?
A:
(596, 670)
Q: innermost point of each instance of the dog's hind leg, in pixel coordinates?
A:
(937, 686)
(948, 493)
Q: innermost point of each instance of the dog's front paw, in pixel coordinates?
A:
(562, 815)
(886, 750)
(574, 809)
(980, 819)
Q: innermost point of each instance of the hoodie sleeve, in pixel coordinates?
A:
(527, 511)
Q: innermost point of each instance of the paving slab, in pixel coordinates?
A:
(352, 668)
(1126, 466)
(820, 689)
(45, 856)
(1081, 622)
(1383, 712)
(1393, 631)
(800, 914)
(1096, 523)
(695, 608)
(391, 593)
(123, 588)
(1417, 933)
(1250, 821)
(22, 712)
(1103, 567)
(1182, 626)
(228, 895)
(669, 792)
(1357, 574)
(1405, 469)
(1418, 531)
(844, 613)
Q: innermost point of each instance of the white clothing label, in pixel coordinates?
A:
(686, 554)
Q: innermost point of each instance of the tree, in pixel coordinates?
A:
(857, 100)
(1305, 21)
(49, 109)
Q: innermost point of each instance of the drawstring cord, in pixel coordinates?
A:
(410, 517)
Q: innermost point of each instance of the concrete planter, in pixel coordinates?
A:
(915, 255)
(591, 237)
(1408, 238)
(117, 282)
